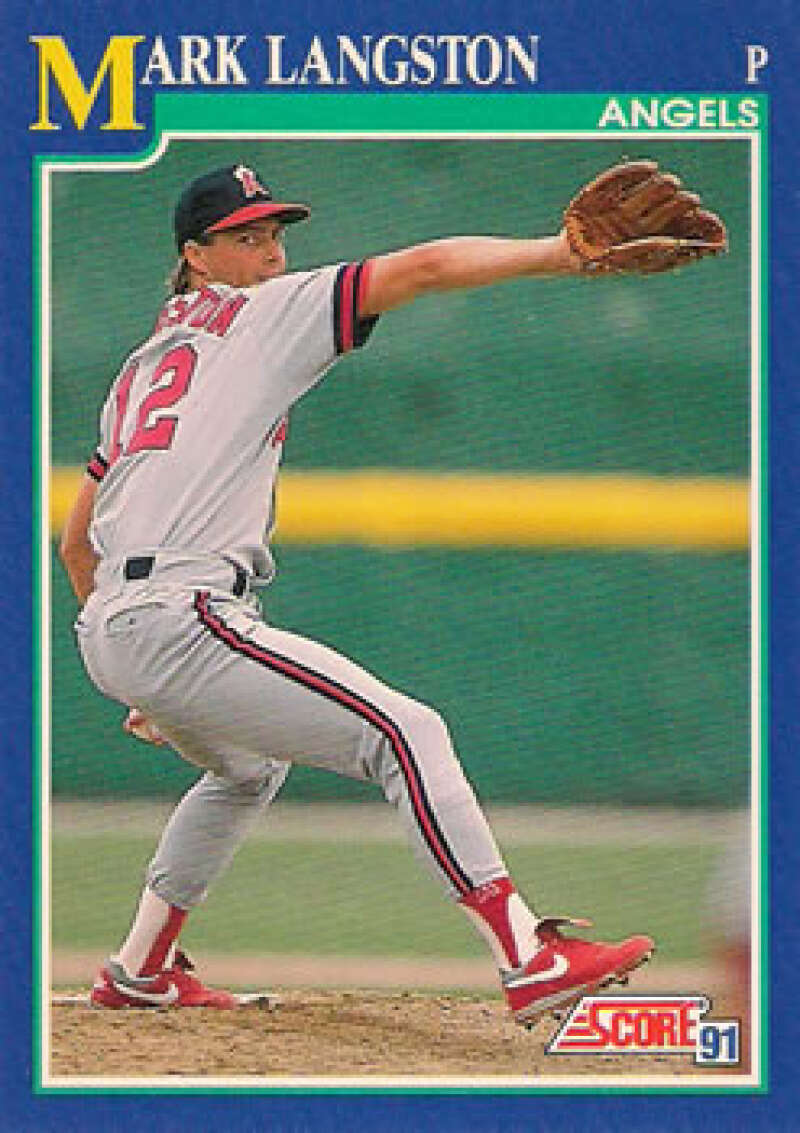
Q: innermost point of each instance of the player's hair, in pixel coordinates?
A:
(179, 280)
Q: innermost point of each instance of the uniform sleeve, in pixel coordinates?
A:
(97, 466)
(350, 329)
(100, 460)
(304, 321)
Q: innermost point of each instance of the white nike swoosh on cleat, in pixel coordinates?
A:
(560, 966)
(152, 998)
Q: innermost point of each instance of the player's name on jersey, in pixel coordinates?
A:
(680, 113)
(207, 310)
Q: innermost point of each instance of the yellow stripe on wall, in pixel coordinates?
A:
(388, 508)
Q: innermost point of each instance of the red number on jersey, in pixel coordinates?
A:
(151, 431)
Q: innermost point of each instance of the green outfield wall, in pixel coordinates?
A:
(567, 675)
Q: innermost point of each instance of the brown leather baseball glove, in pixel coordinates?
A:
(635, 218)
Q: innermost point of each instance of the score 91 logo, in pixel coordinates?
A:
(648, 1024)
(718, 1043)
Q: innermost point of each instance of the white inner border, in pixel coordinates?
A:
(728, 1083)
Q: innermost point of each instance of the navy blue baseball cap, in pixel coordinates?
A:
(226, 198)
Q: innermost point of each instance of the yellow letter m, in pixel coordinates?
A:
(118, 61)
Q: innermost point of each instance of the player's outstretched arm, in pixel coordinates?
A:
(461, 262)
(75, 550)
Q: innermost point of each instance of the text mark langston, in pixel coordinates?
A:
(388, 60)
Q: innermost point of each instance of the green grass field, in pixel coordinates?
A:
(313, 897)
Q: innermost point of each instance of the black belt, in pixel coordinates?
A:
(141, 566)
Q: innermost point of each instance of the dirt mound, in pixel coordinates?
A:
(331, 1036)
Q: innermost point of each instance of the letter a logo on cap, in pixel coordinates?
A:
(249, 181)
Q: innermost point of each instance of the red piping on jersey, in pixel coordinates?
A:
(347, 307)
(355, 703)
(97, 467)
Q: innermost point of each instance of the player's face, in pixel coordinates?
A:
(243, 256)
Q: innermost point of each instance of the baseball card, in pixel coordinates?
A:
(404, 566)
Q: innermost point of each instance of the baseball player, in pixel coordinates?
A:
(168, 543)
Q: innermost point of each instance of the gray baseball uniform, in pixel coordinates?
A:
(191, 439)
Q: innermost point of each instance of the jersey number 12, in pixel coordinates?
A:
(152, 431)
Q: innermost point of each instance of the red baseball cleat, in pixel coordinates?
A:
(171, 987)
(564, 969)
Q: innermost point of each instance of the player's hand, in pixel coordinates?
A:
(137, 724)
